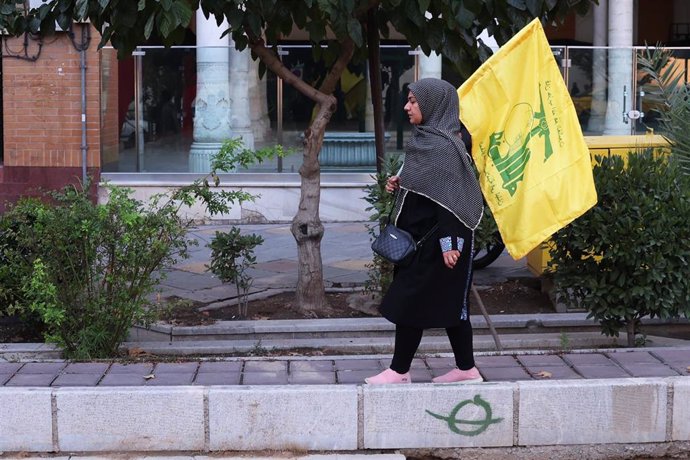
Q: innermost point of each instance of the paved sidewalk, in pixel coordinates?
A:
(345, 252)
(301, 370)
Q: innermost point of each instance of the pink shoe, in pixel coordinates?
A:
(459, 376)
(388, 376)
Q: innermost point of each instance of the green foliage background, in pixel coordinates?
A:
(628, 256)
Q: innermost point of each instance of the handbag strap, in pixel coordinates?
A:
(425, 237)
(428, 234)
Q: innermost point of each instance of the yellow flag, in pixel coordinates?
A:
(535, 168)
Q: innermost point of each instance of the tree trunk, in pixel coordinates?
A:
(306, 225)
(631, 324)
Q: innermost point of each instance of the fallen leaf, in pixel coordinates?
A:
(136, 351)
(544, 374)
(149, 377)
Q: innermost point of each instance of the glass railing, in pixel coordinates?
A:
(167, 110)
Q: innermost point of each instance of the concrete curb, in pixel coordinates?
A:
(333, 418)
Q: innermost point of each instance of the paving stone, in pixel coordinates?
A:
(26, 423)
(289, 418)
(359, 364)
(443, 370)
(217, 378)
(164, 368)
(495, 361)
(130, 419)
(311, 366)
(587, 359)
(540, 360)
(601, 372)
(265, 366)
(220, 367)
(86, 368)
(9, 368)
(191, 281)
(356, 376)
(41, 368)
(280, 265)
(443, 363)
(136, 368)
(313, 378)
(77, 380)
(681, 410)
(633, 357)
(498, 374)
(169, 378)
(430, 416)
(672, 356)
(592, 412)
(649, 370)
(420, 375)
(4, 378)
(264, 378)
(31, 380)
(417, 363)
(557, 372)
(681, 368)
(122, 379)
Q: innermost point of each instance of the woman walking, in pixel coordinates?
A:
(436, 185)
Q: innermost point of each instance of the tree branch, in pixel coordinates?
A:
(333, 76)
(258, 46)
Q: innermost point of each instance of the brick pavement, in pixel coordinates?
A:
(345, 369)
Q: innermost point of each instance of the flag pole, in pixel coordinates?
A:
(499, 347)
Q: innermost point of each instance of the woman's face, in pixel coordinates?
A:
(412, 109)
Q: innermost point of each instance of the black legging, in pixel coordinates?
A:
(407, 340)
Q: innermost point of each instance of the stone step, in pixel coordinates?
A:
(375, 345)
(362, 327)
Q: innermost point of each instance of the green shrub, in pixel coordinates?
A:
(88, 270)
(15, 266)
(628, 256)
(380, 271)
(231, 255)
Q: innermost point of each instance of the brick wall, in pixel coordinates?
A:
(42, 115)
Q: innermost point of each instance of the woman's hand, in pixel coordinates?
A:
(392, 184)
(450, 258)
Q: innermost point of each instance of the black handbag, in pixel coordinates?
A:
(396, 245)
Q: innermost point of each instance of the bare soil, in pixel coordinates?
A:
(521, 296)
(511, 297)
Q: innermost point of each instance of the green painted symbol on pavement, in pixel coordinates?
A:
(480, 424)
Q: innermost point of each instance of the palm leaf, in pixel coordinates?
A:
(668, 86)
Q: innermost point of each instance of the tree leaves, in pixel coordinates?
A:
(424, 23)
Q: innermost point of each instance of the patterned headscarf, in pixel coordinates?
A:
(437, 164)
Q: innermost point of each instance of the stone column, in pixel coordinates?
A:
(430, 66)
(258, 104)
(240, 121)
(212, 103)
(600, 40)
(620, 32)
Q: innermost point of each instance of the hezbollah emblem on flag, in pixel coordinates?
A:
(509, 149)
(534, 166)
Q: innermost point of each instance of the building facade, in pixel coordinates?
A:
(70, 111)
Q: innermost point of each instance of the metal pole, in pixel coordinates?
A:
(138, 109)
(84, 146)
(279, 109)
